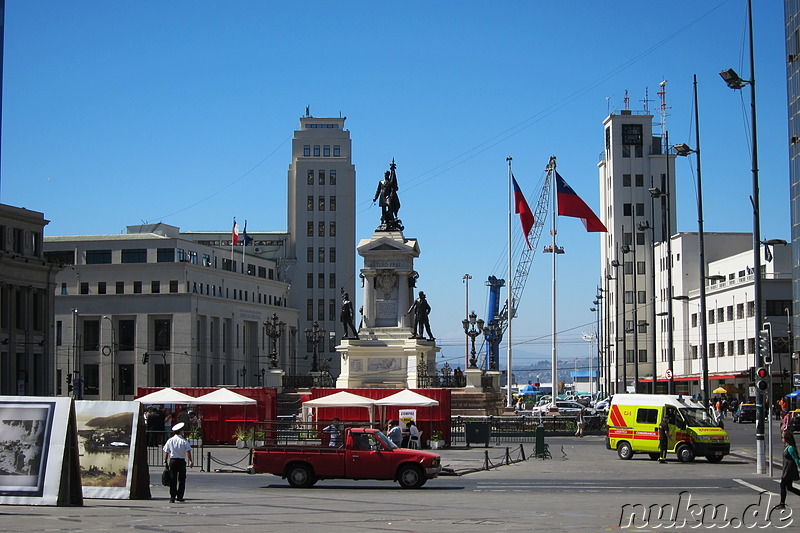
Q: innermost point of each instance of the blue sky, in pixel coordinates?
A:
(120, 112)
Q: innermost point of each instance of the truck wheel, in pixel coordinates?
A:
(714, 458)
(410, 477)
(300, 476)
(624, 450)
(685, 453)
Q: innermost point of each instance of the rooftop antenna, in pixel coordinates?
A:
(646, 100)
(663, 107)
(626, 102)
(308, 111)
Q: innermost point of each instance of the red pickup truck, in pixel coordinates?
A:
(366, 454)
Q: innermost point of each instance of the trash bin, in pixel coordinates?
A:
(541, 450)
(478, 433)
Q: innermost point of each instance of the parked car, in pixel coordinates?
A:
(564, 408)
(602, 405)
(794, 421)
(746, 412)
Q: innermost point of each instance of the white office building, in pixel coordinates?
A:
(637, 207)
(151, 308)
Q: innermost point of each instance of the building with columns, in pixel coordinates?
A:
(151, 309)
(27, 364)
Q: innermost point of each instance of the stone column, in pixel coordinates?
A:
(369, 298)
(402, 299)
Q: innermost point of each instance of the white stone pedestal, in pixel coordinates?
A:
(474, 377)
(274, 378)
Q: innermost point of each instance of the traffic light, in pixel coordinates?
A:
(765, 344)
(761, 379)
(69, 383)
(752, 374)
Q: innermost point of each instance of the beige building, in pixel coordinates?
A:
(26, 305)
(151, 308)
(322, 240)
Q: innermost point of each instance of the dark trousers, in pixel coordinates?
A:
(663, 446)
(786, 484)
(177, 481)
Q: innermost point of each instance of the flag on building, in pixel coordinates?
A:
(246, 239)
(767, 253)
(235, 237)
(571, 205)
(522, 208)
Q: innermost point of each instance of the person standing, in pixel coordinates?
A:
(580, 422)
(421, 309)
(395, 433)
(177, 453)
(790, 471)
(663, 438)
(334, 431)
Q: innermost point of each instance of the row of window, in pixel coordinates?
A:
(26, 312)
(321, 281)
(326, 150)
(166, 255)
(191, 286)
(317, 125)
(321, 203)
(321, 177)
(721, 349)
(321, 228)
(743, 310)
(13, 240)
(321, 252)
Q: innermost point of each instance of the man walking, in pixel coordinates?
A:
(175, 449)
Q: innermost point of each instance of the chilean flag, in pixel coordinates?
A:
(571, 205)
(235, 232)
(522, 208)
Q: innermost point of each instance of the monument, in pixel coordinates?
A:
(388, 349)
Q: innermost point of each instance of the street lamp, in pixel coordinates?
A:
(274, 328)
(616, 264)
(465, 278)
(471, 331)
(734, 81)
(629, 249)
(112, 352)
(492, 333)
(645, 225)
(314, 335)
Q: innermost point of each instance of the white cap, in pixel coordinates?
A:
(177, 427)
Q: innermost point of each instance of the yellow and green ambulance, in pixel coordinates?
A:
(633, 421)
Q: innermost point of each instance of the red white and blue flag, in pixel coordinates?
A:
(571, 205)
(235, 236)
(522, 208)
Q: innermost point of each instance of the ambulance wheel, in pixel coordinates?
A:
(714, 458)
(655, 456)
(685, 453)
(624, 450)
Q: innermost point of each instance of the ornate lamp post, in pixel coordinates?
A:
(112, 351)
(492, 333)
(315, 335)
(274, 328)
(472, 332)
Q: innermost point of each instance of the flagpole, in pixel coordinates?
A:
(244, 244)
(233, 231)
(510, 301)
(554, 355)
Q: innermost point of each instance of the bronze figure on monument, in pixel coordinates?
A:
(421, 309)
(347, 315)
(389, 201)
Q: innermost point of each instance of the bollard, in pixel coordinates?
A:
(522, 451)
(508, 456)
(486, 460)
(208, 461)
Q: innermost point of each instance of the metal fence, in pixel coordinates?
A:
(155, 446)
(522, 428)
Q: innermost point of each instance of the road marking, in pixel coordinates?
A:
(754, 487)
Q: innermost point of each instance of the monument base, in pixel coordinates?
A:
(385, 358)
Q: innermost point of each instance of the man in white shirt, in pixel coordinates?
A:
(175, 449)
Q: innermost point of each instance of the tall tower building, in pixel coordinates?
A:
(638, 207)
(321, 223)
(792, 17)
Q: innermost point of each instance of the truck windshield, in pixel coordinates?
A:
(696, 417)
(387, 443)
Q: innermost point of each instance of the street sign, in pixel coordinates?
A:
(752, 391)
(668, 373)
(796, 380)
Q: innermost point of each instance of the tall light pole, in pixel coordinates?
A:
(473, 326)
(315, 335)
(666, 231)
(274, 328)
(733, 81)
(684, 150)
(112, 353)
(465, 278)
(644, 225)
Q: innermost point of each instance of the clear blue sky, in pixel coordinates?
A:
(120, 112)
